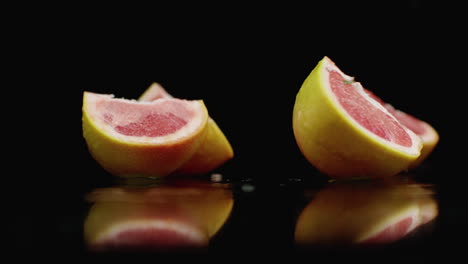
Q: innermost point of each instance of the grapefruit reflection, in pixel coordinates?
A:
(164, 218)
(364, 213)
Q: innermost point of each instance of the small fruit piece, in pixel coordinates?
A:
(214, 149)
(151, 139)
(344, 133)
(154, 92)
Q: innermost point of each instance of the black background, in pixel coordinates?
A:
(247, 63)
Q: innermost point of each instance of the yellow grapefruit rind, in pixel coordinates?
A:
(336, 144)
(214, 149)
(131, 158)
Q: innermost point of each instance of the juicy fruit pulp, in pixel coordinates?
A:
(425, 131)
(365, 113)
(344, 133)
(130, 139)
(144, 121)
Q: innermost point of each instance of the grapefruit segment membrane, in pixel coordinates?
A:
(344, 132)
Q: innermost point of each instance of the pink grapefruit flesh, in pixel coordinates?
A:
(145, 120)
(365, 113)
(424, 130)
(411, 122)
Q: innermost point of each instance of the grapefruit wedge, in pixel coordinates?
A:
(214, 149)
(424, 130)
(345, 133)
(142, 139)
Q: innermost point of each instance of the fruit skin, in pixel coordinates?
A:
(187, 215)
(332, 143)
(353, 213)
(214, 150)
(126, 159)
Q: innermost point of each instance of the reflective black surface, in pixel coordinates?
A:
(248, 75)
(231, 216)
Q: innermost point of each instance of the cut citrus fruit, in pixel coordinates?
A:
(214, 149)
(424, 130)
(345, 133)
(145, 139)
